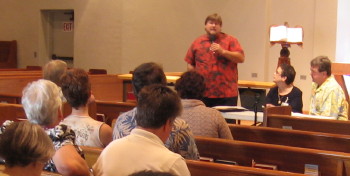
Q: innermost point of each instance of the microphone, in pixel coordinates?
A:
(257, 99)
(212, 38)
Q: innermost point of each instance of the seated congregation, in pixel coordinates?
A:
(161, 132)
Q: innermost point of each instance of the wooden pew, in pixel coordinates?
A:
(91, 154)
(104, 87)
(111, 110)
(290, 159)
(200, 168)
(308, 124)
(12, 112)
(94, 71)
(16, 112)
(4, 73)
(10, 98)
(14, 85)
(67, 110)
(281, 110)
(12, 69)
(296, 138)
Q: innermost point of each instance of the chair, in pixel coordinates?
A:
(34, 67)
(91, 154)
(97, 71)
(67, 110)
(14, 112)
(279, 110)
(8, 54)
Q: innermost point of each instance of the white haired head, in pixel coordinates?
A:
(41, 101)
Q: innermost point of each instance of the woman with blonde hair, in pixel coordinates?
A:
(25, 147)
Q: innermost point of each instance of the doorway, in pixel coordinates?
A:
(58, 34)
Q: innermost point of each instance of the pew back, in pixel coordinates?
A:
(308, 124)
(12, 112)
(296, 138)
(16, 112)
(14, 85)
(6, 73)
(9, 98)
(104, 87)
(111, 110)
(286, 158)
(200, 168)
(91, 154)
(67, 110)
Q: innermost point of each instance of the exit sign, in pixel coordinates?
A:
(68, 26)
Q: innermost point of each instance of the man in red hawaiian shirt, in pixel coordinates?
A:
(215, 55)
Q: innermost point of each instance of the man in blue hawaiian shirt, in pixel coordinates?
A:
(181, 139)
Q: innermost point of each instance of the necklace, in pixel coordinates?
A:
(279, 99)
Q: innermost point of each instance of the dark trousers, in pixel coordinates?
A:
(230, 101)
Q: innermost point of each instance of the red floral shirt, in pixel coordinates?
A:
(221, 74)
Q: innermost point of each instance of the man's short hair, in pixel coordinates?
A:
(213, 17)
(323, 63)
(147, 74)
(54, 70)
(23, 143)
(190, 85)
(41, 101)
(76, 87)
(289, 72)
(156, 105)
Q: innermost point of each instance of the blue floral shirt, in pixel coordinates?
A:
(181, 139)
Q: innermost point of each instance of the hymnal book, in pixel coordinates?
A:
(230, 108)
(287, 127)
(284, 34)
(294, 114)
(225, 162)
(263, 166)
(311, 169)
(206, 159)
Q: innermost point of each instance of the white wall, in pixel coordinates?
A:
(119, 35)
(343, 32)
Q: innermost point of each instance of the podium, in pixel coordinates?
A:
(286, 36)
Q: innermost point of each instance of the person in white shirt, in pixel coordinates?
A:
(144, 149)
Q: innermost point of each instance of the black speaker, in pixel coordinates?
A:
(251, 97)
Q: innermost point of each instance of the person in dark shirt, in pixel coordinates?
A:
(285, 93)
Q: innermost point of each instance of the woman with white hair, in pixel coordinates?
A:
(42, 104)
(25, 147)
